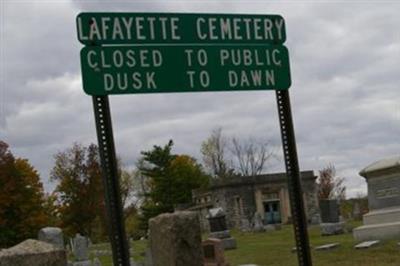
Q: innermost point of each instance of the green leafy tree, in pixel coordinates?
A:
(171, 179)
(22, 211)
(80, 191)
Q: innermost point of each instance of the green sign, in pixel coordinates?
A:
(160, 52)
(184, 68)
(175, 28)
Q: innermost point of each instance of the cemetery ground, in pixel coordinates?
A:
(275, 248)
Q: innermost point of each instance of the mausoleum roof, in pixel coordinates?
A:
(384, 164)
(259, 179)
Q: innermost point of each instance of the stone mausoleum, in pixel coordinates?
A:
(267, 195)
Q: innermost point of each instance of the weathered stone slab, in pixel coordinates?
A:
(386, 215)
(327, 246)
(220, 234)
(367, 244)
(175, 239)
(328, 229)
(229, 243)
(33, 252)
(52, 235)
(383, 231)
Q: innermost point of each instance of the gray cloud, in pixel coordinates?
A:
(344, 62)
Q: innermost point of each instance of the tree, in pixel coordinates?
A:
(80, 190)
(21, 199)
(171, 179)
(330, 186)
(134, 186)
(214, 150)
(225, 158)
(251, 155)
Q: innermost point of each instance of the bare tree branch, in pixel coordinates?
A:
(251, 155)
(329, 185)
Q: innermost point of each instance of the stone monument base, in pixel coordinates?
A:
(228, 242)
(328, 229)
(379, 225)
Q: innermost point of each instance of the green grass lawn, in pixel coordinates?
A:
(275, 248)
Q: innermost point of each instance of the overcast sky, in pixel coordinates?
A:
(344, 57)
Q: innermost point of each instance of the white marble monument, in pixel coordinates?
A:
(383, 219)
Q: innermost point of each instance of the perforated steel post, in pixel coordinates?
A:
(293, 178)
(116, 228)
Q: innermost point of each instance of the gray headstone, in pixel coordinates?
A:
(258, 223)
(356, 210)
(216, 219)
(52, 235)
(229, 243)
(383, 179)
(175, 239)
(81, 248)
(245, 225)
(329, 211)
(382, 222)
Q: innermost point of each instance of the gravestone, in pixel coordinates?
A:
(366, 244)
(52, 235)
(356, 212)
(213, 251)
(33, 252)
(218, 228)
(329, 211)
(216, 219)
(383, 219)
(327, 246)
(175, 239)
(330, 222)
(245, 225)
(81, 251)
(258, 223)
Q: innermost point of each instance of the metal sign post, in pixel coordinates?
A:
(293, 178)
(116, 228)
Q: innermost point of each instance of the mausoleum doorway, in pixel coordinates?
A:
(272, 212)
